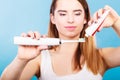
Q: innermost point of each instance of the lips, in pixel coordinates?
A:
(70, 28)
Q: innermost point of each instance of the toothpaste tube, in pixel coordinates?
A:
(91, 30)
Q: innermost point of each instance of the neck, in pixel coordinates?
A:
(67, 49)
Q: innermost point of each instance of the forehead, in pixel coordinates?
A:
(68, 4)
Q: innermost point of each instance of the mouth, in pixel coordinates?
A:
(70, 28)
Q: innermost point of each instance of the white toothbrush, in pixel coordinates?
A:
(91, 30)
(42, 41)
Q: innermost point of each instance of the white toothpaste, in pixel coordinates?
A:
(91, 30)
(42, 41)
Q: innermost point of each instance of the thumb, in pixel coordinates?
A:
(42, 47)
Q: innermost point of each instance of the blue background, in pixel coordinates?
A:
(17, 16)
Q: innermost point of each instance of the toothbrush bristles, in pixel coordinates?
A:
(81, 40)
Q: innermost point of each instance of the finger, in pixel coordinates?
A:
(95, 17)
(37, 35)
(100, 12)
(44, 36)
(23, 35)
(113, 13)
(42, 47)
(108, 8)
(90, 22)
(31, 34)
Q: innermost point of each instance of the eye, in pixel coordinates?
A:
(77, 13)
(62, 14)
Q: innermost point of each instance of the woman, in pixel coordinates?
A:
(69, 61)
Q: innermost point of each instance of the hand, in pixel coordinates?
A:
(30, 52)
(110, 19)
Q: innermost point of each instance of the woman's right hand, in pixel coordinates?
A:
(30, 52)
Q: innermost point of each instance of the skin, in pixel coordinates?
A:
(69, 21)
(69, 16)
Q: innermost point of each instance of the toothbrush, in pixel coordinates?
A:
(91, 30)
(42, 41)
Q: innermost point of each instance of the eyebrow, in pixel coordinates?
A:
(77, 10)
(61, 11)
(73, 10)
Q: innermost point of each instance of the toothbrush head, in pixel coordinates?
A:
(81, 40)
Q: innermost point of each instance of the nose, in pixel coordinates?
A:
(70, 19)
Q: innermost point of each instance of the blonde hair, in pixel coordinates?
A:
(91, 54)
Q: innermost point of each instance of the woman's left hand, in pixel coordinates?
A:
(110, 19)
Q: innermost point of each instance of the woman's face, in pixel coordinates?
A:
(69, 18)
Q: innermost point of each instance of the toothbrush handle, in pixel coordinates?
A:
(42, 41)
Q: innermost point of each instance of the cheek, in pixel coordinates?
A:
(59, 25)
(80, 24)
(59, 22)
(80, 20)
